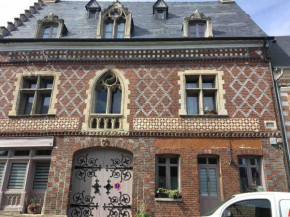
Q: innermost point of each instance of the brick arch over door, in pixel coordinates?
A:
(60, 179)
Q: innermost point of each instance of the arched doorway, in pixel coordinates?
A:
(101, 183)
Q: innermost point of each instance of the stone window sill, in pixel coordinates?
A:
(168, 200)
(32, 116)
(204, 116)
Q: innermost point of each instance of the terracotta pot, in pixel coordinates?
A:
(38, 211)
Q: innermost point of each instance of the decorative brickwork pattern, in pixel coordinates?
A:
(73, 85)
(196, 124)
(6, 87)
(39, 124)
(154, 88)
(251, 91)
(101, 55)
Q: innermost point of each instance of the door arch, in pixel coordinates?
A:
(101, 183)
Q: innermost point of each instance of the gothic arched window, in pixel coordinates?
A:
(107, 109)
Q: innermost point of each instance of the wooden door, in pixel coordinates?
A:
(102, 183)
(208, 183)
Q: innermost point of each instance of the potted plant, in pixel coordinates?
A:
(167, 193)
(32, 206)
(161, 193)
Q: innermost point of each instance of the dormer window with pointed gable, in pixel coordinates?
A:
(115, 22)
(197, 26)
(160, 10)
(50, 27)
(93, 8)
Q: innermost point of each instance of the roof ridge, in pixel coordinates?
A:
(22, 18)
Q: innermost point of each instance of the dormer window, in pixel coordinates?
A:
(92, 14)
(50, 32)
(50, 27)
(197, 26)
(196, 30)
(115, 22)
(93, 8)
(160, 10)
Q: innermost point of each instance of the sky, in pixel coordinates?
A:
(273, 16)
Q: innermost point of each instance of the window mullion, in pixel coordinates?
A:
(114, 30)
(249, 172)
(109, 103)
(197, 30)
(201, 112)
(168, 180)
(33, 109)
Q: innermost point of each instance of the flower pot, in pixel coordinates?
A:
(37, 209)
(162, 195)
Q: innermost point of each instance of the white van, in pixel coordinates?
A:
(258, 204)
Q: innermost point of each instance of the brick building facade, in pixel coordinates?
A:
(173, 113)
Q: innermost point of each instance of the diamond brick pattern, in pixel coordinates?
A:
(251, 91)
(154, 89)
(7, 77)
(73, 89)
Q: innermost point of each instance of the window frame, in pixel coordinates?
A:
(220, 92)
(115, 23)
(167, 166)
(248, 167)
(196, 24)
(27, 189)
(16, 103)
(95, 13)
(51, 28)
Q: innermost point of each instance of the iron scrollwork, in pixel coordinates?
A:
(96, 186)
(108, 186)
(120, 168)
(87, 167)
(83, 205)
(118, 206)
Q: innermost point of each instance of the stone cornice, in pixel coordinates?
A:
(147, 134)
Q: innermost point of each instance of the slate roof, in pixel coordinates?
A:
(229, 20)
(280, 51)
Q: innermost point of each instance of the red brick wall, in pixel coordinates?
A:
(144, 151)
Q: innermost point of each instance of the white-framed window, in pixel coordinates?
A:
(23, 176)
(196, 30)
(201, 92)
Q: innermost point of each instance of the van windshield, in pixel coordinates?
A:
(218, 206)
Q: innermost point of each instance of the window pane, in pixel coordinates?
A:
(192, 30)
(43, 152)
(41, 176)
(208, 83)
(101, 102)
(108, 35)
(46, 32)
(208, 101)
(212, 160)
(174, 177)
(54, 32)
(251, 208)
(192, 103)
(116, 102)
(174, 160)
(30, 84)
(254, 161)
(162, 160)
(17, 176)
(201, 30)
(212, 182)
(203, 181)
(46, 83)
(201, 160)
(28, 104)
(244, 178)
(45, 102)
(191, 82)
(21, 153)
(162, 177)
(93, 13)
(242, 161)
(108, 30)
(255, 176)
(3, 153)
(159, 15)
